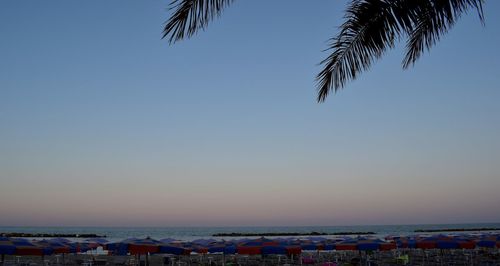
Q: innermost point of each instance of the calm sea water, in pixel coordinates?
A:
(191, 233)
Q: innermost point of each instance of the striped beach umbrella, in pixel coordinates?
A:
(254, 246)
(197, 248)
(349, 244)
(429, 242)
(404, 242)
(7, 247)
(365, 244)
(143, 246)
(25, 247)
(56, 246)
(174, 247)
(488, 241)
(115, 248)
(311, 246)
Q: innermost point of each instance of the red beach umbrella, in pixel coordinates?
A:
(143, 246)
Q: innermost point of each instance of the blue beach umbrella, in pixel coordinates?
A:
(117, 248)
(143, 246)
(56, 246)
(168, 240)
(486, 243)
(97, 240)
(174, 247)
(204, 242)
(28, 248)
(311, 245)
(274, 250)
(317, 238)
(7, 247)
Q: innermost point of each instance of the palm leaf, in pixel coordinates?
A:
(371, 27)
(190, 16)
(434, 19)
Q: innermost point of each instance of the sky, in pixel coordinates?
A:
(103, 123)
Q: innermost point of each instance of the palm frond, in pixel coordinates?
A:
(434, 19)
(190, 16)
(370, 28)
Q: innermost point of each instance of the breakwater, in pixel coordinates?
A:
(291, 234)
(455, 230)
(51, 235)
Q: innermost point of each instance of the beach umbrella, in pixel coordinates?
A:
(94, 243)
(143, 246)
(278, 250)
(204, 242)
(6, 246)
(259, 242)
(254, 246)
(56, 246)
(197, 248)
(488, 241)
(116, 248)
(384, 246)
(346, 245)
(313, 243)
(208, 245)
(249, 250)
(404, 242)
(174, 247)
(293, 250)
(230, 249)
(327, 246)
(466, 244)
(60, 240)
(91, 244)
(426, 242)
(26, 248)
(365, 244)
(375, 244)
(317, 238)
(368, 244)
(455, 242)
(168, 240)
(97, 241)
(174, 250)
(216, 248)
(311, 246)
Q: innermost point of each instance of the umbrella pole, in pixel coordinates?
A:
(3, 259)
(147, 259)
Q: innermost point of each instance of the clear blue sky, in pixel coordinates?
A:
(104, 123)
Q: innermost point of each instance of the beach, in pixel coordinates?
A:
(198, 246)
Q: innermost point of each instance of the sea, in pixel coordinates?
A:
(192, 233)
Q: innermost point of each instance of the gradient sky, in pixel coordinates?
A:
(103, 123)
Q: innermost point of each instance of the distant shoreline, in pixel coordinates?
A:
(52, 235)
(235, 234)
(455, 230)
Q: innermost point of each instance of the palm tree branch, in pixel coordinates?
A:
(434, 19)
(190, 16)
(370, 28)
